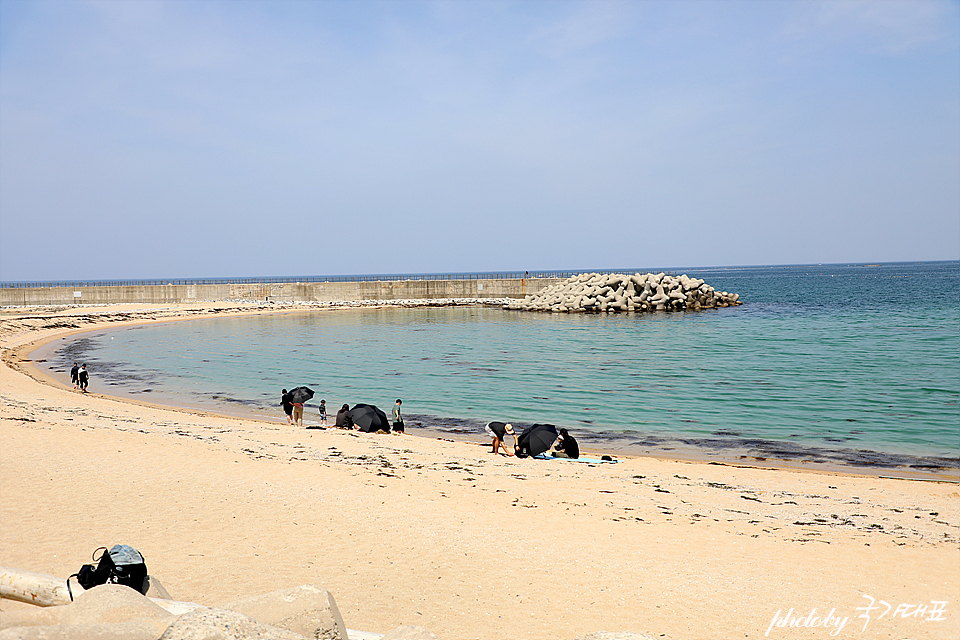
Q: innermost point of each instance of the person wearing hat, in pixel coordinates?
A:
(499, 431)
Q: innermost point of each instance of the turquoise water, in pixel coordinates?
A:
(818, 359)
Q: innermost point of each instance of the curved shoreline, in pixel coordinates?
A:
(759, 453)
(19, 357)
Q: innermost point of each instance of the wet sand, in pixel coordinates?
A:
(414, 530)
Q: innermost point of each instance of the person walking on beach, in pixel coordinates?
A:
(344, 421)
(75, 375)
(397, 418)
(287, 406)
(499, 431)
(83, 378)
(298, 414)
(323, 413)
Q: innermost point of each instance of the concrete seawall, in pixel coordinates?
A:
(276, 292)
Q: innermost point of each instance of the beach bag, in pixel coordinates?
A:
(122, 564)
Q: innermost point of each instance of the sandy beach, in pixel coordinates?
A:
(445, 535)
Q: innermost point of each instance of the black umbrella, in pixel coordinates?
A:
(369, 418)
(536, 439)
(300, 394)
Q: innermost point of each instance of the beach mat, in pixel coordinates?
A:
(544, 456)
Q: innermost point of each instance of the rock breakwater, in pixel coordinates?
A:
(619, 292)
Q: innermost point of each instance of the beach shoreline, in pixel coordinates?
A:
(416, 530)
(594, 444)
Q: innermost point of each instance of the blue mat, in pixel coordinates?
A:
(544, 456)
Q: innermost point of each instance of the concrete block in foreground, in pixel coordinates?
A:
(218, 624)
(33, 617)
(308, 610)
(106, 612)
(112, 603)
(410, 633)
(137, 630)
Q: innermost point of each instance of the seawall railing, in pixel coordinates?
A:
(499, 275)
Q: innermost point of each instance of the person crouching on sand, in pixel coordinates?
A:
(344, 421)
(499, 431)
(565, 447)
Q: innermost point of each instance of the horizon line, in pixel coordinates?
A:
(471, 275)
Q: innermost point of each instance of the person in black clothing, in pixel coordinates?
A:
(83, 378)
(287, 406)
(75, 375)
(566, 446)
(344, 421)
(499, 432)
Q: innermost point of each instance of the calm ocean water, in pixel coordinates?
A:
(856, 364)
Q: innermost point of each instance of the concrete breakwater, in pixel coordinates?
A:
(617, 292)
(276, 292)
(582, 292)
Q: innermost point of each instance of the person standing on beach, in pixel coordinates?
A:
(323, 413)
(287, 406)
(75, 375)
(298, 414)
(397, 419)
(500, 431)
(83, 378)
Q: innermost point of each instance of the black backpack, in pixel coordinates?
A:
(122, 564)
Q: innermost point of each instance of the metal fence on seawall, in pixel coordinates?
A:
(505, 275)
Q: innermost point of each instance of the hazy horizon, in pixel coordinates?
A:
(172, 139)
(624, 269)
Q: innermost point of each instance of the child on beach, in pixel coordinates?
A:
(397, 419)
(323, 413)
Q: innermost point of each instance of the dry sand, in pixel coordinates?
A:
(445, 535)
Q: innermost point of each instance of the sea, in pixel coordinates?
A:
(853, 365)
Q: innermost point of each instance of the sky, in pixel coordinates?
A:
(274, 138)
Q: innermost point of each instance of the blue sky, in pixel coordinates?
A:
(205, 139)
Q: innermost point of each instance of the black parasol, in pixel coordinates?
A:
(300, 395)
(536, 439)
(369, 418)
